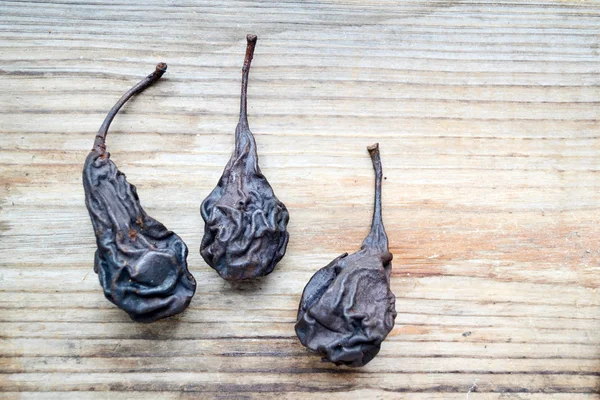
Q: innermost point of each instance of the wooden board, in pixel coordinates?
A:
(487, 117)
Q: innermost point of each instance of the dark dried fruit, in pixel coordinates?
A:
(245, 232)
(141, 265)
(347, 308)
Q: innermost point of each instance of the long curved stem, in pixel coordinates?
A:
(99, 142)
(251, 39)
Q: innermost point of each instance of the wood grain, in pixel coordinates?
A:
(487, 117)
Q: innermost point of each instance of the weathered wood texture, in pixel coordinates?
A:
(487, 115)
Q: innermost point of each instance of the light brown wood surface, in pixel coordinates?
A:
(487, 117)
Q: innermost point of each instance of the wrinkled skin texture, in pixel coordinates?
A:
(347, 308)
(245, 231)
(141, 265)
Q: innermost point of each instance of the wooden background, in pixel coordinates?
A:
(487, 116)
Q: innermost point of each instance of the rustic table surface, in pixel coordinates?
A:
(487, 117)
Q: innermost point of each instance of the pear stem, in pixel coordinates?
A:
(251, 39)
(376, 159)
(377, 238)
(99, 142)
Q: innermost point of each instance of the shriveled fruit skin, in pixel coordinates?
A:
(245, 230)
(245, 225)
(347, 308)
(141, 264)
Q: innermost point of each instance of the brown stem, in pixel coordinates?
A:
(374, 153)
(99, 143)
(377, 238)
(251, 39)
